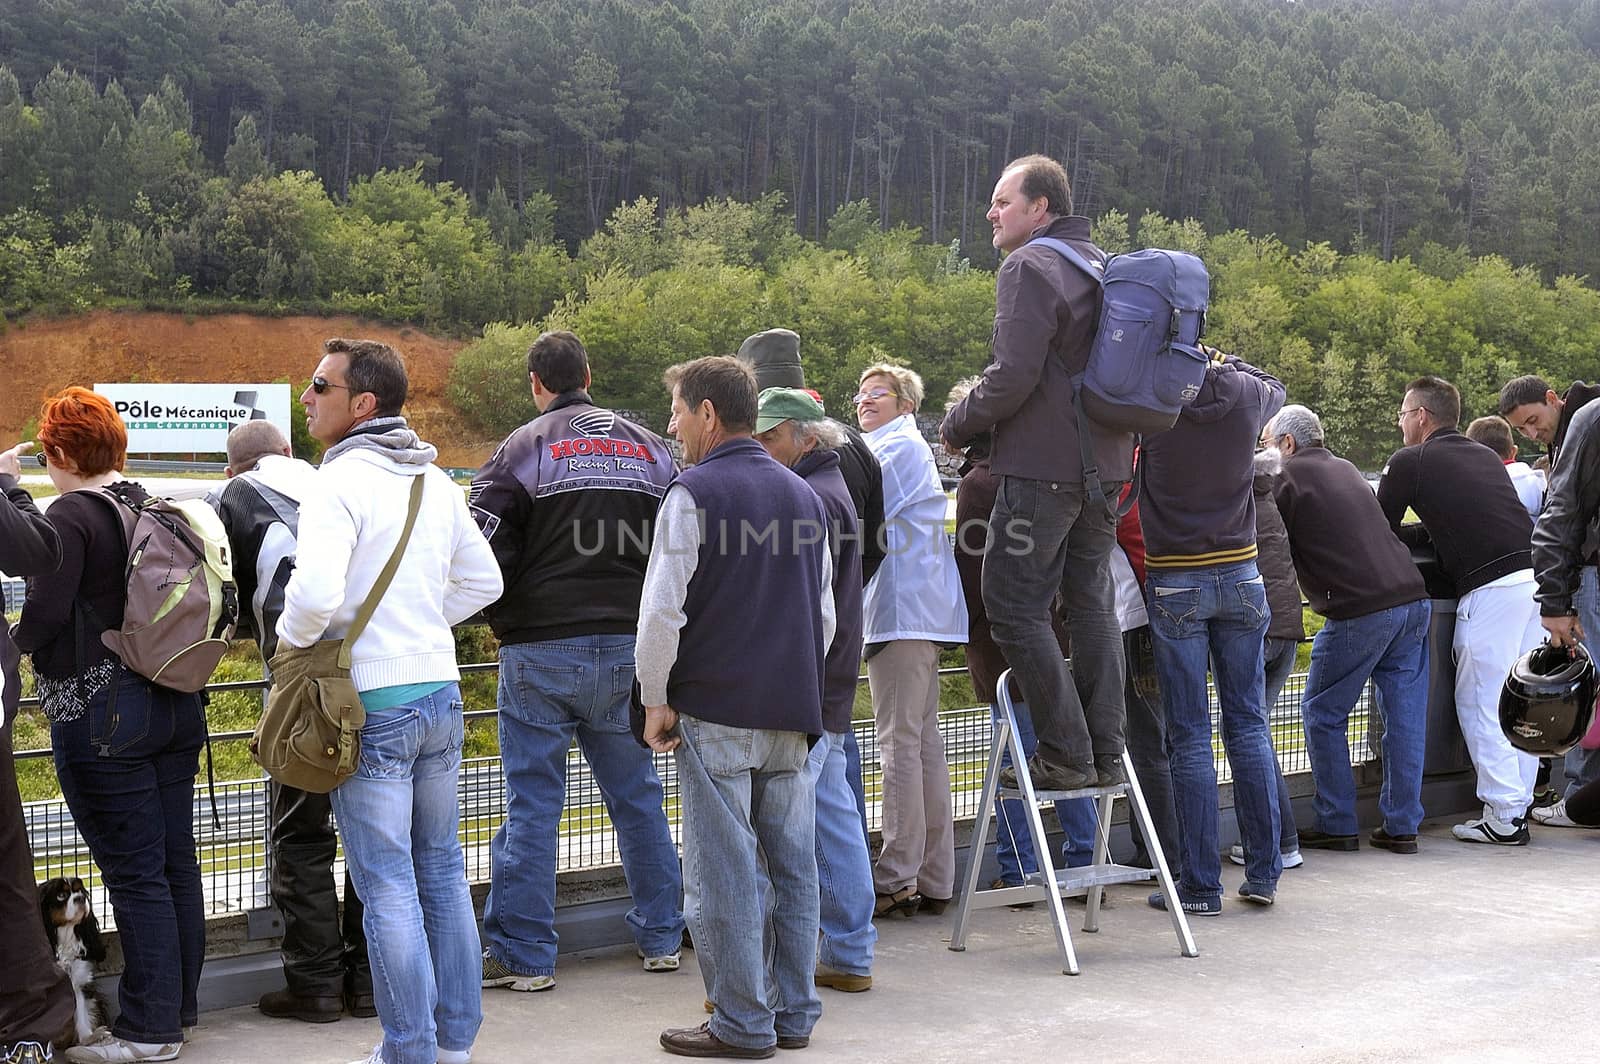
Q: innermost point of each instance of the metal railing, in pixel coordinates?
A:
(235, 859)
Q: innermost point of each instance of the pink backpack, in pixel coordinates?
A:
(182, 604)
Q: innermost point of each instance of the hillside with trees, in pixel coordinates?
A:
(1379, 187)
(1357, 122)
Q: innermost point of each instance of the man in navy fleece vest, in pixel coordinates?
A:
(739, 553)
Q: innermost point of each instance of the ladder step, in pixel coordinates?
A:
(1100, 876)
(1058, 796)
(1068, 881)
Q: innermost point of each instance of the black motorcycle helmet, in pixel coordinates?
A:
(1547, 704)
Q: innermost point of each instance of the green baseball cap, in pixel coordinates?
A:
(787, 404)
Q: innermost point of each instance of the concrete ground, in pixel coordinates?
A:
(1461, 953)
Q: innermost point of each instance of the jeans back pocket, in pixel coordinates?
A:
(1175, 608)
(122, 718)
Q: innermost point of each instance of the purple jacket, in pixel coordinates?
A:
(1046, 310)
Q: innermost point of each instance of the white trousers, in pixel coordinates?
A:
(1495, 625)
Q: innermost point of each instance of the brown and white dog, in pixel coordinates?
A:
(74, 936)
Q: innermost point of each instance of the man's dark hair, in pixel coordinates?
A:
(1493, 433)
(373, 367)
(559, 360)
(1439, 397)
(723, 379)
(1043, 176)
(1520, 391)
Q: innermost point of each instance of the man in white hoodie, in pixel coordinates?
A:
(399, 812)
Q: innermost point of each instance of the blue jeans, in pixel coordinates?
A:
(750, 878)
(127, 773)
(1048, 539)
(844, 870)
(1390, 646)
(1147, 748)
(1013, 846)
(1278, 666)
(1217, 615)
(1582, 766)
(399, 815)
(550, 692)
(858, 786)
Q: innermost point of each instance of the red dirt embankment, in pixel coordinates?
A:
(41, 357)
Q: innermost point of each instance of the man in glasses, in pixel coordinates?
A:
(1565, 540)
(1045, 316)
(1472, 515)
(400, 812)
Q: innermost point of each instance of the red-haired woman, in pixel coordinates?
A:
(126, 750)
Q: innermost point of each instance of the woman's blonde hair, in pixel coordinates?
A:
(907, 383)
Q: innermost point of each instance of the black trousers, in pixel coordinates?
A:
(324, 954)
(35, 997)
(1583, 805)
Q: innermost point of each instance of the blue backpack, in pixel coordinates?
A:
(1146, 363)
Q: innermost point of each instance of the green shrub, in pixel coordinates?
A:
(489, 381)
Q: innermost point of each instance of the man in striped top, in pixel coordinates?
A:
(1208, 607)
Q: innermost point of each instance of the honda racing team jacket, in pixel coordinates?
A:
(567, 503)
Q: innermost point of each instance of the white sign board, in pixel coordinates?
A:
(193, 418)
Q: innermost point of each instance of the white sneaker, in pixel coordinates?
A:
(453, 1056)
(109, 1048)
(375, 1057)
(1292, 859)
(667, 962)
(1494, 832)
(1555, 816)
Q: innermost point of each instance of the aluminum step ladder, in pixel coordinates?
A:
(1091, 879)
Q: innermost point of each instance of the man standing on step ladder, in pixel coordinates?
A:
(1047, 535)
(1207, 601)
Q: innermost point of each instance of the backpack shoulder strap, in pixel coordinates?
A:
(1092, 484)
(127, 513)
(127, 517)
(1091, 469)
(1072, 255)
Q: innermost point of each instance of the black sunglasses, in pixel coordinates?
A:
(322, 384)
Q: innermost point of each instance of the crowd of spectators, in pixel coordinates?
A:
(720, 612)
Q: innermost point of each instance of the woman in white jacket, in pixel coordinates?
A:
(913, 606)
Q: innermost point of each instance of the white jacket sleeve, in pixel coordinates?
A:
(902, 473)
(475, 580)
(674, 557)
(830, 611)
